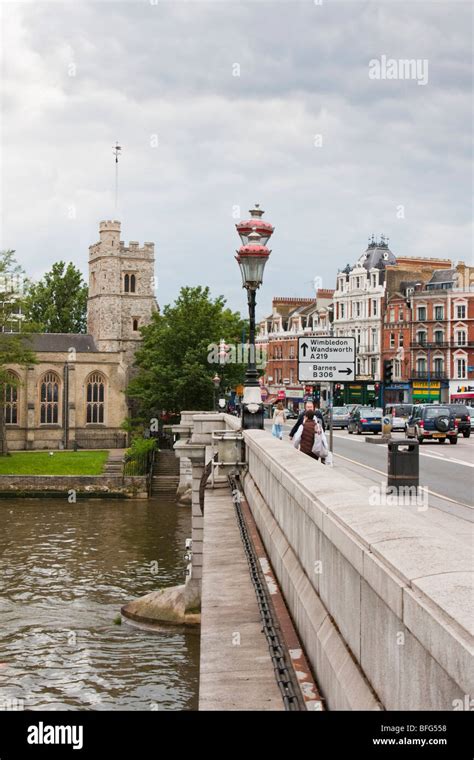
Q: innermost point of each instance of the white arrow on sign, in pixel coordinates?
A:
(308, 371)
(326, 350)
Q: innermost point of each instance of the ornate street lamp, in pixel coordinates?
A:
(252, 257)
(216, 382)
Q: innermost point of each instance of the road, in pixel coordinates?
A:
(446, 471)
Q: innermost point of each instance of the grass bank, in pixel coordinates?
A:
(59, 463)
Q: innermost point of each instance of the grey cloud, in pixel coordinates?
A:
(223, 140)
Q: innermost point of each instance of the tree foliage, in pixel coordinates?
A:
(58, 302)
(174, 370)
(14, 348)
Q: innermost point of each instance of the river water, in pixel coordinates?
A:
(65, 571)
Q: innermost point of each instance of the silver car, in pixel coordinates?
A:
(340, 417)
(400, 414)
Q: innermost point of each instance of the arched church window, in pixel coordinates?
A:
(126, 283)
(95, 399)
(11, 400)
(49, 399)
(132, 283)
(135, 325)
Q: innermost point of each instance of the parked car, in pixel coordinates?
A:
(463, 416)
(365, 419)
(399, 413)
(432, 422)
(340, 417)
(291, 414)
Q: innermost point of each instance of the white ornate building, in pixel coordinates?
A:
(358, 306)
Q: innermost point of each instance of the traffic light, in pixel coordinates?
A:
(387, 371)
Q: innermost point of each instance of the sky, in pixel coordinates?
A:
(218, 105)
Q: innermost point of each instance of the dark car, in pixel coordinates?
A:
(291, 414)
(365, 419)
(340, 417)
(432, 422)
(463, 416)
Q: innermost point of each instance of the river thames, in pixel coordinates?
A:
(65, 571)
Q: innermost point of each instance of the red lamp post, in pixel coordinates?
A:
(252, 257)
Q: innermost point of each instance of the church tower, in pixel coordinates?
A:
(121, 291)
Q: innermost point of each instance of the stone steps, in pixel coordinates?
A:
(114, 464)
(164, 484)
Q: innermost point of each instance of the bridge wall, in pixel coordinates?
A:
(380, 597)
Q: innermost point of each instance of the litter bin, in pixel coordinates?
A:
(403, 463)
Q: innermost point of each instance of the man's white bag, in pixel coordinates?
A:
(320, 445)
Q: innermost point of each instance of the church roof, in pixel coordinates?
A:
(48, 342)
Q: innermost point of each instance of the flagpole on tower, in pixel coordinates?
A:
(116, 151)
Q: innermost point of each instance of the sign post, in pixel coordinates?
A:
(329, 360)
(331, 402)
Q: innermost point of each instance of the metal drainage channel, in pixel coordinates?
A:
(283, 675)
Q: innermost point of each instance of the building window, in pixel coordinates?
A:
(392, 315)
(135, 324)
(49, 399)
(129, 283)
(461, 338)
(461, 312)
(421, 366)
(439, 336)
(400, 340)
(374, 308)
(373, 366)
(95, 399)
(292, 352)
(11, 401)
(421, 313)
(392, 340)
(421, 337)
(438, 365)
(342, 310)
(461, 368)
(438, 312)
(374, 338)
(400, 314)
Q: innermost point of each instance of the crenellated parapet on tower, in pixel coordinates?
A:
(121, 290)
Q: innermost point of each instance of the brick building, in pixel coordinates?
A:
(428, 334)
(291, 319)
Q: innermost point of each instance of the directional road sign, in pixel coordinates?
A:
(326, 359)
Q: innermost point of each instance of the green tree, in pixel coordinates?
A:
(175, 361)
(58, 302)
(14, 348)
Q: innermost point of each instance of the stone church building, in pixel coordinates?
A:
(76, 390)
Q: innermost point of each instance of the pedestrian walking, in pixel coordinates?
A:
(279, 420)
(309, 406)
(310, 438)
